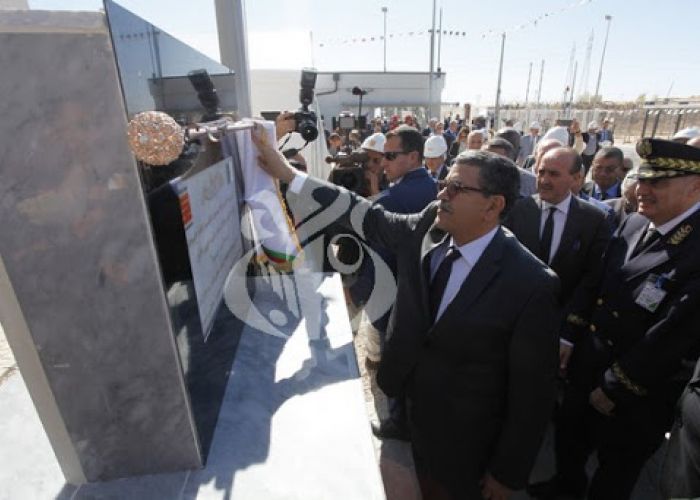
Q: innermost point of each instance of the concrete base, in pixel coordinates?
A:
(293, 424)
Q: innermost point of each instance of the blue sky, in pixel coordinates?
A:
(652, 46)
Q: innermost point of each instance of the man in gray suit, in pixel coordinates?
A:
(502, 147)
(478, 371)
(528, 143)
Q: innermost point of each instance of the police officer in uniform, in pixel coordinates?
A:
(633, 344)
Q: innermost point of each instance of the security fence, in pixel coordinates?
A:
(628, 124)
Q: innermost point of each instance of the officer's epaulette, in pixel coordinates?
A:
(680, 234)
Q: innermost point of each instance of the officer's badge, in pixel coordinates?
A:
(680, 234)
(644, 147)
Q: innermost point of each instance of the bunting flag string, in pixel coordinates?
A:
(455, 34)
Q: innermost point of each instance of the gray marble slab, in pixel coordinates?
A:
(293, 424)
(79, 259)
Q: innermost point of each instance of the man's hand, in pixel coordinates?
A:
(565, 351)
(269, 159)
(493, 490)
(601, 402)
(373, 182)
(284, 123)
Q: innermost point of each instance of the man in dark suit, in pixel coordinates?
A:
(606, 165)
(634, 342)
(680, 470)
(627, 203)
(478, 371)
(503, 147)
(565, 232)
(606, 133)
(411, 189)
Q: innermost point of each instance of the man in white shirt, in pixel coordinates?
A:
(635, 340)
(564, 231)
(478, 371)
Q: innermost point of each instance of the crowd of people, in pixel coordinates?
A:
(539, 278)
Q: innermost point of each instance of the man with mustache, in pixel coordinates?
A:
(637, 339)
(564, 231)
(472, 340)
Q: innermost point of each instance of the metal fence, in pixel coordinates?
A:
(628, 124)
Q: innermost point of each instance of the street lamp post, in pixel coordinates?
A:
(384, 9)
(497, 110)
(602, 58)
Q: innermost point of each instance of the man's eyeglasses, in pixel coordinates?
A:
(392, 155)
(455, 187)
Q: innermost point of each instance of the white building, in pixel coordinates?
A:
(392, 92)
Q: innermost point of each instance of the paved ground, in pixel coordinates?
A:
(395, 461)
(7, 361)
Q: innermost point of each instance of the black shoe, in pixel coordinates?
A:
(388, 429)
(554, 489)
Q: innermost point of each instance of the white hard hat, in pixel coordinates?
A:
(593, 125)
(535, 125)
(558, 133)
(374, 142)
(687, 133)
(435, 146)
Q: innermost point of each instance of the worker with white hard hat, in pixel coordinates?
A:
(435, 154)
(373, 146)
(559, 133)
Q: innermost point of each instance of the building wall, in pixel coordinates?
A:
(14, 5)
(274, 90)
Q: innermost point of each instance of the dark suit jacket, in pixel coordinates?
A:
(415, 191)
(442, 173)
(636, 355)
(578, 260)
(454, 150)
(618, 206)
(480, 381)
(589, 186)
(680, 470)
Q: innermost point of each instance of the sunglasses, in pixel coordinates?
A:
(392, 155)
(453, 188)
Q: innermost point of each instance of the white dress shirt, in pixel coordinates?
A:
(560, 214)
(663, 229)
(470, 253)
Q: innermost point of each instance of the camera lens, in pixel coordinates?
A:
(348, 181)
(308, 130)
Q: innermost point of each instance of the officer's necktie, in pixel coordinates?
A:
(439, 282)
(546, 238)
(648, 239)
